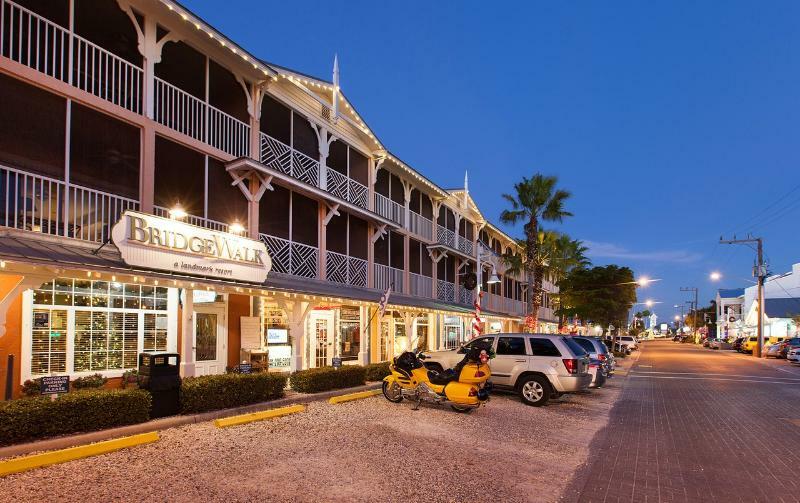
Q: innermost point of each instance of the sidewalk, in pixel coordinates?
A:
(291, 398)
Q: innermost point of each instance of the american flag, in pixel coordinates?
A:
(384, 300)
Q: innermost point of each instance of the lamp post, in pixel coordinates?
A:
(480, 256)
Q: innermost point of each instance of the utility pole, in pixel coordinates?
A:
(694, 318)
(760, 272)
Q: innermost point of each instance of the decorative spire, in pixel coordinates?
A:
(335, 97)
(466, 188)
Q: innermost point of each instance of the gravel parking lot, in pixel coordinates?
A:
(368, 450)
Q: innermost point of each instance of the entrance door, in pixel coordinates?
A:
(210, 340)
(322, 337)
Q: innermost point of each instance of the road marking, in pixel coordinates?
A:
(354, 396)
(258, 416)
(710, 379)
(712, 374)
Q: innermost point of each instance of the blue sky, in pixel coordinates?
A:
(671, 122)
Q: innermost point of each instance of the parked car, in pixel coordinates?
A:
(772, 350)
(788, 344)
(629, 342)
(749, 344)
(737, 344)
(598, 372)
(536, 366)
(720, 344)
(793, 355)
(597, 351)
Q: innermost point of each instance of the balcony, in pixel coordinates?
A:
(420, 285)
(465, 296)
(341, 268)
(208, 223)
(466, 246)
(500, 304)
(292, 258)
(388, 277)
(445, 236)
(50, 206)
(389, 209)
(421, 226)
(445, 291)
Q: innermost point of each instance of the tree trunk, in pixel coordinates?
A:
(532, 249)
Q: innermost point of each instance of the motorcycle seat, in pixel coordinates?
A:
(445, 377)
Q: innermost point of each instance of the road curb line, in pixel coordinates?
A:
(258, 416)
(354, 396)
(82, 451)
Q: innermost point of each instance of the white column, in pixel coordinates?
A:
(363, 348)
(296, 313)
(187, 329)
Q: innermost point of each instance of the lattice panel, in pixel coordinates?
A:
(305, 168)
(280, 253)
(445, 290)
(304, 260)
(445, 236)
(337, 184)
(276, 155)
(336, 267)
(357, 271)
(359, 195)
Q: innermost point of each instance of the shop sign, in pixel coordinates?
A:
(277, 336)
(244, 368)
(170, 245)
(54, 385)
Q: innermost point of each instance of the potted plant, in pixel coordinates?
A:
(130, 379)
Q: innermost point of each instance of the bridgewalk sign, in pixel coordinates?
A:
(170, 245)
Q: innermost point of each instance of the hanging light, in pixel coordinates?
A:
(493, 277)
(236, 228)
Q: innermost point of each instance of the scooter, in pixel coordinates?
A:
(463, 387)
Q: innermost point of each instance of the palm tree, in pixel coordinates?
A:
(536, 199)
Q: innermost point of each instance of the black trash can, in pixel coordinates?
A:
(159, 373)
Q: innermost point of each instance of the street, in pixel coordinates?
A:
(698, 425)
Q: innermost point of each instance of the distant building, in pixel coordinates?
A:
(781, 305)
(729, 312)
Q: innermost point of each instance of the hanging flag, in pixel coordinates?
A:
(384, 301)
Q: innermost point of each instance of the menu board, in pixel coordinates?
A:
(250, 327)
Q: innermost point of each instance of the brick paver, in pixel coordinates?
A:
(698, 425)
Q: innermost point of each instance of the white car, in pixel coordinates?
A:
(793, 355)
(629, 341)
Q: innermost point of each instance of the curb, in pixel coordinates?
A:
(169, 422)
(260, 416)
(353, 396)
(84, 451)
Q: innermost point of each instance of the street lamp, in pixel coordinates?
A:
(715, 276)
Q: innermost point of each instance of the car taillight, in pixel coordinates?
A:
(601, 357)
(571, 365)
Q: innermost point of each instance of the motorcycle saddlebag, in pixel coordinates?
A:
(459, 392)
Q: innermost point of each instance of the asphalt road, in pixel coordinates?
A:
(698, 425)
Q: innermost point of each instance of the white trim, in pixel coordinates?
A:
(27, 336)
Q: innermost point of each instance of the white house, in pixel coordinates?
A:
(781, 305)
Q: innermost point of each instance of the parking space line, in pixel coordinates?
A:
(354, 396)
(710, 379)
(713, 374)
(258, 416)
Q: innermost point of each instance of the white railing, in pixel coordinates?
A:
(186, 114)
(420, 225)
(341, 268)
(465, 245)
(445, 290)
(346, 188)
(33, 41)
(497, 303)
(195, 220)
(292, 258)
(465, 296)
(386, 277)
(445, 236)
(280, 157)
(421, 285)
(49, 206)
(387, 208)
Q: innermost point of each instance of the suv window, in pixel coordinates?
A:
(626, 338)
(573, 346)
(586, 344)
(543, 347)
(482, 342)
(511, 346)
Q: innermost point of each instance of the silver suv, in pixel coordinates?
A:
(534, 365)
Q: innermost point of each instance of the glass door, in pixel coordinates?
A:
(322, 338)
(210, 338)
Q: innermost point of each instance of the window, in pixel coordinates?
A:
(511, 346)
(586, 344)
(277, 337)
(349, 332)
(482, 342)
(103, 325)
(574, 346)
(543, 347)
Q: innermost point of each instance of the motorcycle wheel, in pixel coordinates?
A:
(462, 409)
(393, 393)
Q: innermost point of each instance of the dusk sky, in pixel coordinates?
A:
(672, 123)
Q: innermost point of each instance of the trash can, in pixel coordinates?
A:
(159, 373)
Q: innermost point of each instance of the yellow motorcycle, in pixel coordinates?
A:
(463, 387)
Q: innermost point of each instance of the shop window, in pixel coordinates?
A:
(358, 239)
(277, 338)
(276, 120)
(359, 167)
(453, 332)
(304, 137)
(421, 334)
(226, 203)
(305, 220)
(32, 130)
(349, 332)
(184, 68)
(109, 27)
(225, 92)
(104, 153)
(400, 336)
(179, 177)
(109, 321)
(273, 212)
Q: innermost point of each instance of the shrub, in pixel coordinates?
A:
(32, 387)
(327, 378)
(89, 382)
(130, 378)
(377, 371)
(199, 394)
(89, 410)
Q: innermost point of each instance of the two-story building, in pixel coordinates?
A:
(152, 172)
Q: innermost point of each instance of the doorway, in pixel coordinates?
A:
(210, 340)
(322, 339)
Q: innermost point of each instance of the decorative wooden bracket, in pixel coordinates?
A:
(379, 233)
(463, 263)
(333, 211)
(436, 255)
(265, 182)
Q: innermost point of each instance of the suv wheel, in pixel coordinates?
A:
(534, 390)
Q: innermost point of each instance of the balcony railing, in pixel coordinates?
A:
(465, 296)
(421, 285)
(387, 208)
(465, 246)
(498, 303)
(31, 40)
(420, 226)
(195, 220)
(445, 291)
(445, 236)
(341, 268)
(292, 258)
(195, 118)
(386, 277)
(348, 189)
(50, 206)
